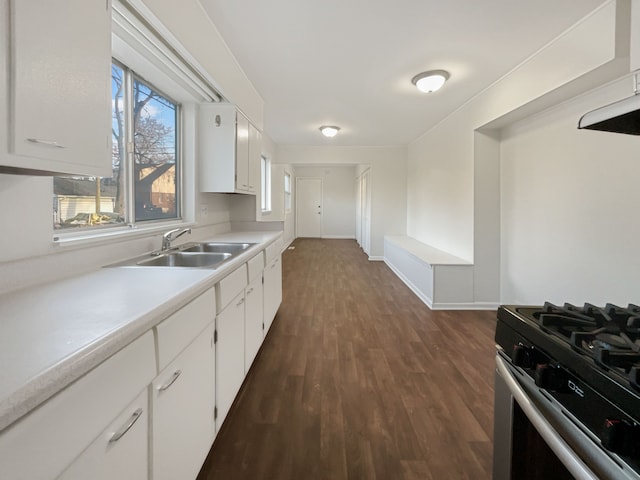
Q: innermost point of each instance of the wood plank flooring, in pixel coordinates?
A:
(358, 379)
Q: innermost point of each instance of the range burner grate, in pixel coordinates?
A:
(609, 334)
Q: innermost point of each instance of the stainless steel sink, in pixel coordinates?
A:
(217, 247)
(185, 259)
(190, 255)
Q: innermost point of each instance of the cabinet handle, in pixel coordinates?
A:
(126, 427)
(171, 381)
(48, 143)
(250, 290)
(240, 302)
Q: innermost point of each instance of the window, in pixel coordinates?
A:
(145, 161)
(265, 177)
(287, 192)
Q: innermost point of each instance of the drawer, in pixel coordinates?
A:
(179, 330)
(255, 266)
(272, 251)
(121, 451)
(45, 442)
(230, 286)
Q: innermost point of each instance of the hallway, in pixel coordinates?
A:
(358, 379)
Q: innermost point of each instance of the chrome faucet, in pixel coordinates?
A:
(169, 237)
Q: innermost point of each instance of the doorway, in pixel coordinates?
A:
(363, 214)
(308, 207)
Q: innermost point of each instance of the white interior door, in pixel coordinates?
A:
(309, 207)
(365, 212)
(358, 213)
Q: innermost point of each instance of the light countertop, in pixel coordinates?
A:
(53, 334)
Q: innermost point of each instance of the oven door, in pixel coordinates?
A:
(534, 438)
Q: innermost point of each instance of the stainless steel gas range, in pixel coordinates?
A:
(567, 392)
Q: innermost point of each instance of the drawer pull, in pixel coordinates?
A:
(171, 381)
(240, 302)
(250, 290)
(48, 143)
(126, 427)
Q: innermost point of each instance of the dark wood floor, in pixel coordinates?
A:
(358, 379)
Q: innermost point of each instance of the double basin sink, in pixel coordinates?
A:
(190, 255)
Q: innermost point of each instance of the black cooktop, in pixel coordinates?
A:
(585, 357)
(601, 345)
(609, 334)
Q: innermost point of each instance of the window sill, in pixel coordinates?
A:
(113, 234)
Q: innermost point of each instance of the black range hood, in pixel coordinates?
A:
(619, 117)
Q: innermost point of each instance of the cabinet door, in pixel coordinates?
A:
(242, 153)
(42, 444)
(60, 86)
(253, 321)
(229, 356)
(272, 291)
(121, 451)
(182, 400)
(255, 152)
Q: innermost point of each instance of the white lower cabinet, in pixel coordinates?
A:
(253, 321)
(229, 355)
(272, 290)
(124, 420)
(182, 404)
(122, 449)
(65, 432)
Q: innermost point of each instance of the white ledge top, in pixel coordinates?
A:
(424, 252)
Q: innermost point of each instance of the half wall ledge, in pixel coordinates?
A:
(441, 280)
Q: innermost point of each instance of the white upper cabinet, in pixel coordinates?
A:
(242, 153)
(58, 92)
(230, 149)
(255, 151)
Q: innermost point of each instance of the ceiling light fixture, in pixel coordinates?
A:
(329, 130)
(430, 81)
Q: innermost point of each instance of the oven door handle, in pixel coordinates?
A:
(565, 454)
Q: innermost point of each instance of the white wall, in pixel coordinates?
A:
(188, 22)
(454, 200)
(338, 198)
(570, 208)
(388, 182)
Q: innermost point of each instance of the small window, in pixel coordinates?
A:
(287, 192)
(265, 177)
(144, 184)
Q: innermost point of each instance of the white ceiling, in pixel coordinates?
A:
(350, 62)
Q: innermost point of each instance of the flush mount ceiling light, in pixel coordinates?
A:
(430, 81)
(329, 130)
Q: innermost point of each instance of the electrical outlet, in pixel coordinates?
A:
(204, 211)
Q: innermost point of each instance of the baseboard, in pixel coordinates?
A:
(338, 237)
(465, 306)
(376, 258)
(418, 293)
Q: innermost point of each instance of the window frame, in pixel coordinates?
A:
(287, 192)
(146, 47)
(178, 155)
(129, 77)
